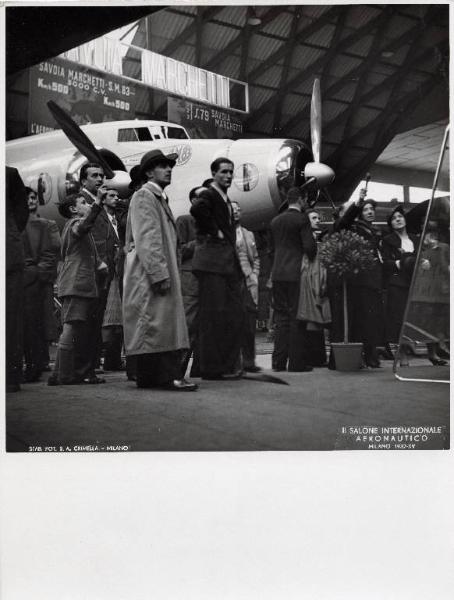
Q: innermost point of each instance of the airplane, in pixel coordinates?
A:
(264, 168)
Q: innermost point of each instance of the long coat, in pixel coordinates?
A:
(292, 237)
(152, 323)
(397, 281)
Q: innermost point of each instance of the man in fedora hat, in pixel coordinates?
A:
(155, 330)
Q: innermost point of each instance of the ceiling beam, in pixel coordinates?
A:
(269, 16)
(290, 46)
(199, 36)
(398, 108)
(320, 62)
(306, 32)
(204, 15)
(350, 113)
(346, 80)
(347, 183)
(416, 59)
(334, 42)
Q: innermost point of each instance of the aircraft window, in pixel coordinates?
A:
(127, 135)
(143, 134)
(176, 133)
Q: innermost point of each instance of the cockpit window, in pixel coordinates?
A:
(146, 134)
(143, 134)
(127, 135)
(176, 133)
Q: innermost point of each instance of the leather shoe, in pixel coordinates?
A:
(306, 369)
(438, 362)
(233, 376)
(253, 369)
(92, 379)
(180, 385)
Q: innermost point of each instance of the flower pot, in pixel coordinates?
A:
(348, 357)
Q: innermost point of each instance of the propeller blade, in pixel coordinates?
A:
(264, 377)
(316, 121)
(78, 138)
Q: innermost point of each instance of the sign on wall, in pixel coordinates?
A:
(162, 72)
(203, 121)
(89, 96)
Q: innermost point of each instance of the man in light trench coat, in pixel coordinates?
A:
(155, 330)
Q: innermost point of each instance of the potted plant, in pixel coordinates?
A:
(344, 254)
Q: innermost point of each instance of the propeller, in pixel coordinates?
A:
(118, 180)
(316, 172)
(316, 121)
(78, 138)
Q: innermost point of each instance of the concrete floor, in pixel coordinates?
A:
(307, 414)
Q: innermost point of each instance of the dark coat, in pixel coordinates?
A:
(212, 254)
(186, 235)
(392, 252)
(372, 278)
(291, 238)
(77, 276)
(106, 240)
(40, 257)
(16, 219)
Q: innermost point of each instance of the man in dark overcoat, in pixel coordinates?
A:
(216, 264)
(16, 216)
(291, 237)
(40, 272)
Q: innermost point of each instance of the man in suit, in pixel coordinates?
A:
(292, 237)
(216, 264)
(250, 265)
(15, 221)
(92, 185)
(186, 234)
(92, 181)
(112, 323)
(40, 273)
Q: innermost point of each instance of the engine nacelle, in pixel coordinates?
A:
(264, 171)
(71, 183)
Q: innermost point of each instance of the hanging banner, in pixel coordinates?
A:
(89, 96)
(203, 121)
(162, 73)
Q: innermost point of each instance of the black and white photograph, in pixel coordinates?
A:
(227, 238)
(287, 264)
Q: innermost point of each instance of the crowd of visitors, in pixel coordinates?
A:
(129, 277)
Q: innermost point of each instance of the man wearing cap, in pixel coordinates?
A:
(292, 237)
(155, 330)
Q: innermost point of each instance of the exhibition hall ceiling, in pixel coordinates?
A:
(384, 68)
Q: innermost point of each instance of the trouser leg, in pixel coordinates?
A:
(158, 368)
(14, 326)
(282, 321)
(248, 345)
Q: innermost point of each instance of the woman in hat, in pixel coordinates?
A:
(399, 255)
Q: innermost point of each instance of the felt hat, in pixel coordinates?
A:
(136, 177)
(398, 209)
(153, 156)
